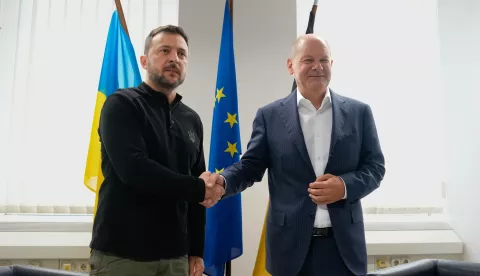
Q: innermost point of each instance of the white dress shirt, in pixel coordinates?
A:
(317, 131)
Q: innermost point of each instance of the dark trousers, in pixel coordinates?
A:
(323, 259)
(105, 264)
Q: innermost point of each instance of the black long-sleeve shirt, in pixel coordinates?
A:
(152, 155)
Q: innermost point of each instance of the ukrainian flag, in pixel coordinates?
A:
(224, 220)
(119, 70)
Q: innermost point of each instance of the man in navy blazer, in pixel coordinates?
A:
(323, 156)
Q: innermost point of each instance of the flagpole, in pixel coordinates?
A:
(311, 23)
(122, 16)
(230, 7)
(228, 265)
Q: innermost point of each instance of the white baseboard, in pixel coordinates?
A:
(75, 245)
(60, 237)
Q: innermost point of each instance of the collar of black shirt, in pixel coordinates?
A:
(159, 95)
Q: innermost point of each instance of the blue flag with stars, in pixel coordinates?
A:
(224, 221)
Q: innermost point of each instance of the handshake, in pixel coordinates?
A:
(214, 188)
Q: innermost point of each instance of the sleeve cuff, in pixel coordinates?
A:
(198, 193)
(197, 252)
(345, 195)
(224, 182)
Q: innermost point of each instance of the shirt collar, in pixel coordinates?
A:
(158, 95)
(326, 100)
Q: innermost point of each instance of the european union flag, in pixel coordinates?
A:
(224, 220)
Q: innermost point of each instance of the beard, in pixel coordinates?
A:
(159, 79)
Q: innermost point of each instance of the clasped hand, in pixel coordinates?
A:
(326, 189)
(214, 188)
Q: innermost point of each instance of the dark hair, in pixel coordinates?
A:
(171, 29)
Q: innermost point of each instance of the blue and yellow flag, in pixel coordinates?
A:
(119, 70)
(224, 221)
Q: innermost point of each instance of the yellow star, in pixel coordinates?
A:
(232, 148)
(218, 171)
(232, 119)
(220, 94)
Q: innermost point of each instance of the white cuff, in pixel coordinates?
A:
(224, 182)
(344, 196)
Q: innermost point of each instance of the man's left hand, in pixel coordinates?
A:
(326, 189)
(195, 265)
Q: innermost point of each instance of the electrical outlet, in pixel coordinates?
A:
(381, 262)
(5, 262)
(405, 260)
(83, 266)
(395, 261)
(67, 265)
(398, 260)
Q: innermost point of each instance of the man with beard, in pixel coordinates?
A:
(150, 219)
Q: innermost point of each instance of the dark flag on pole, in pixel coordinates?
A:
(311, 23)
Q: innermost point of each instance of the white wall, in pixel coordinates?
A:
(460, 42)
(263, 33)
(386, 53)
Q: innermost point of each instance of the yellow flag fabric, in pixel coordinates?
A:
(93, 173)
(260, 268)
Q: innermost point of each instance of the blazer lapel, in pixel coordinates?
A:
(339, 114)
(292, 122)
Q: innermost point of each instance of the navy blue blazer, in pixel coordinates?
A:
(277, 144)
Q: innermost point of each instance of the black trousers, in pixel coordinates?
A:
(323, 259)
